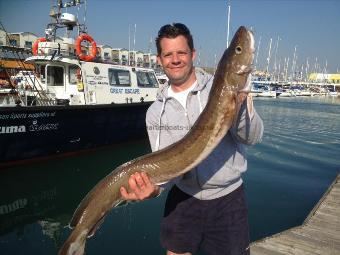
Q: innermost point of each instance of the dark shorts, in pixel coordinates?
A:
(218, 226)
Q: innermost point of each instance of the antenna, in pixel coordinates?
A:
(228, 23)
(129, 47)
(134, 46)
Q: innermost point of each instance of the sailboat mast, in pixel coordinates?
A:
(257, 52)
(228, 23)
(268, 58)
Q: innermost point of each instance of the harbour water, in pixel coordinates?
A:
(288, 172)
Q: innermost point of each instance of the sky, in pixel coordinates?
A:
(309, 26)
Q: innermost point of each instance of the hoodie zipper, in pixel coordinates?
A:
(196, 168)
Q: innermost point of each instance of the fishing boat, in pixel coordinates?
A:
(72, 101)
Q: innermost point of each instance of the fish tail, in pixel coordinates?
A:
(74, 245)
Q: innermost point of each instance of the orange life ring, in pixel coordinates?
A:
(80, 54)
(36, 44)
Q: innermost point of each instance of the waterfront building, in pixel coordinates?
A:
(3, 38)
(105, 52)
(22, 39)
(23, 42)
(323, 77)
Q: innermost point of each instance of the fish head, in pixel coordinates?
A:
(236, 62)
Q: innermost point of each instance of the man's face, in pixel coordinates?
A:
(176, 59)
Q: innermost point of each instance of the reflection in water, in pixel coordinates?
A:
(49, 192)
(288, 173)
(296, 161)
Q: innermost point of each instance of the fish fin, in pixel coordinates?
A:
(121, 203)
(96, 226)
(161, 183)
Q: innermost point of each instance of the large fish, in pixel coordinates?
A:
(230, 78)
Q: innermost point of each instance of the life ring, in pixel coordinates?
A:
(36, 44)
(80, 54)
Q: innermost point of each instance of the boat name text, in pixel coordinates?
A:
(43, 127)
(12, 129)
(125, 91)
(16, 205)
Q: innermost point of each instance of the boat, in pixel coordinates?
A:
(162, 78)
(72, 101)
(332, 91)
(286, 93)
(300, 90)
(266, 91)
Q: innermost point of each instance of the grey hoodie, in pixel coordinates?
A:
(220, 173)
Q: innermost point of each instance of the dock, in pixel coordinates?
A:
(319, 233)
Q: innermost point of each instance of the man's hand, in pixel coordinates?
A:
(140, 186)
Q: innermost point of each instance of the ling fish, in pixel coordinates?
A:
(230, 78)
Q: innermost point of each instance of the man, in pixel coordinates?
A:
(205, 207)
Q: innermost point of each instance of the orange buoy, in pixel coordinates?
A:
(36, 44)
(80, 54)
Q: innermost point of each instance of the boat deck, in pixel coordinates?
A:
(319, 234)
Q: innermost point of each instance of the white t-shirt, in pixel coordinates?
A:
(181, 96)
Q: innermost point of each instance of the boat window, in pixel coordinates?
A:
(72, 74)
(55, 76)
(146, 79)
(119, 77)
(41, 72)
(28, 44)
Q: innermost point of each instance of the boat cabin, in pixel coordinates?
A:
(73, 82)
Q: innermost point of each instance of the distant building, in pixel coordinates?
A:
(3, 39)
(322, 77)
(153, 59)
(121, 56)
(139, 58)
(22, 39)
(105, 52)
(149, 60)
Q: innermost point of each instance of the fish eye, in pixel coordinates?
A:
(238, 50)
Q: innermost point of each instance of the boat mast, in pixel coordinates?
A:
(57, 21)
(275, 55)
(134, 46)
(294, 63)
(257, 52)
(306, 70)
(228, 23)
(286, 69)
(268, 58)
(129, 47)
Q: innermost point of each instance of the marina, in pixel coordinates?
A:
(73, 109)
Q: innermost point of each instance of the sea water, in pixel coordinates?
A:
(288, 172)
